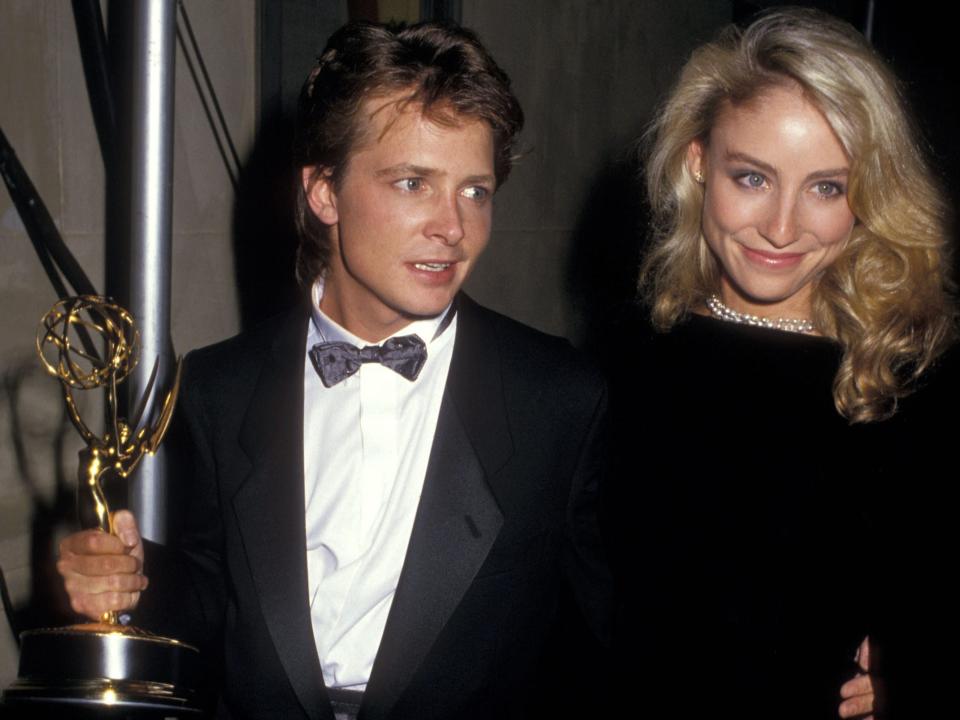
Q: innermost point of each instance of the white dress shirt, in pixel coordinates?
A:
(366, 444)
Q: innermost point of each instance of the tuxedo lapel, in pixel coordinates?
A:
(458, 517)
(269, 508)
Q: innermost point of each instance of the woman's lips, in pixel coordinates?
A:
(771, 259)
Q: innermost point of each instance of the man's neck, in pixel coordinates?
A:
(366, 326)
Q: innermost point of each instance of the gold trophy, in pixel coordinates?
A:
(103, 665)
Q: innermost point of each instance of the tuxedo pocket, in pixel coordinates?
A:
(517, 554)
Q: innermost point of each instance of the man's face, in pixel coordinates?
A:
(408, 219)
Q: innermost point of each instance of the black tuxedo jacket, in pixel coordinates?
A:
(507, 518)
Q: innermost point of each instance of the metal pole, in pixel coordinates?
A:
(154, 26)
(868, 23)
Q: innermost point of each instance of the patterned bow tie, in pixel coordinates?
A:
(335, 361)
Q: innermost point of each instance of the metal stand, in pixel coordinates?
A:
(98, 670)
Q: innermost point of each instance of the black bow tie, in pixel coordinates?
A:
(335, 361)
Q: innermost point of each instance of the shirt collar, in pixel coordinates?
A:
(428, 329)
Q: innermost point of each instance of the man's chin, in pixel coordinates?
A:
(424, 313)
(427, 305)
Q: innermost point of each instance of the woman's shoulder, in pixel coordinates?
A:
(704, 373)
(944, 371)
(932, 398)
(697, 342)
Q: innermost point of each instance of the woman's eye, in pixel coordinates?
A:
(828, 189)
(753, 180)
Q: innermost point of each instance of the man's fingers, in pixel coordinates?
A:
(863, 654)
(88, 585)
(98, 565)
(857, 707)
(859, 698)
(96, 554)
(92, 542)
(94, 606)
(860, 685)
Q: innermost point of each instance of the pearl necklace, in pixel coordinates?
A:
(721, 311)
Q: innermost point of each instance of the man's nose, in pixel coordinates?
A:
(446, 221)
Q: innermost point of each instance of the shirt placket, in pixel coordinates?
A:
(378, 428)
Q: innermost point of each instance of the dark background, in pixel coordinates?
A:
(570, 223)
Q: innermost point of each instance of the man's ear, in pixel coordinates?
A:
(318, 187)
(695, 160)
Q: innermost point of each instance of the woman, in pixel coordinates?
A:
(799, 281)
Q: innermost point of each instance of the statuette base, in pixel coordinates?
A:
(104, 666)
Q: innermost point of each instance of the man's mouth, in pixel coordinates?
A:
(432, 267)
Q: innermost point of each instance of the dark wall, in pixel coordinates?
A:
(565, 243)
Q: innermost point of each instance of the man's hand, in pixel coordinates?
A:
(860, 694)
(103, 572)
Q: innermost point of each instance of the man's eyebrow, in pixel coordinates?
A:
(479, 179)
(406, 169)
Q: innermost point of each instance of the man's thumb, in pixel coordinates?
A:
(125, 526)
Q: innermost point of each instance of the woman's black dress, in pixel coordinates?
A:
(758, 536)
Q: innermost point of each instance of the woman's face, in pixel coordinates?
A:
(775, 210)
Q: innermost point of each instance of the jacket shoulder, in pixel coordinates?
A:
(237, 361)
(533, 354)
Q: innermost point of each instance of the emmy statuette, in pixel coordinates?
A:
(105, 668)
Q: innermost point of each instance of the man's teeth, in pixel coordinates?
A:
(431, 267)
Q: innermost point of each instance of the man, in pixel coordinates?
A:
(390, 489)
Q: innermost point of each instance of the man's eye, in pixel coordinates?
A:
(410, 184)
(475, 192)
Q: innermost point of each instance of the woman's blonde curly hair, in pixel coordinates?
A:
(887, 297)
